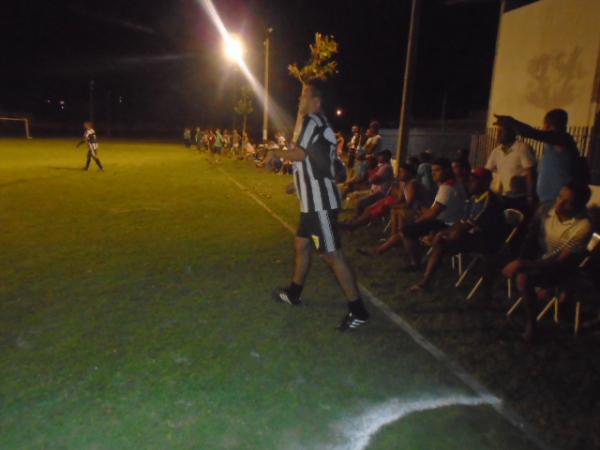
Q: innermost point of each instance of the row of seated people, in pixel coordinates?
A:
(466, 216)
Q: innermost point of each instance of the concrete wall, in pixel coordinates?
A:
(548, 56)
(441, 143)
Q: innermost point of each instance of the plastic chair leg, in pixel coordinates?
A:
(514, 306)
(549, 305)
(475, 288)
(464, 274)
(577, 318)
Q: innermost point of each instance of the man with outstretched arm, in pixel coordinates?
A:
(313, 157)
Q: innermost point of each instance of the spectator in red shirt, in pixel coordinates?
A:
(381, 181)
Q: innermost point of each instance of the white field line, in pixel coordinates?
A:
(511, 416)
(356, 433)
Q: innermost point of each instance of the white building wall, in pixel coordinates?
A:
(548, 56)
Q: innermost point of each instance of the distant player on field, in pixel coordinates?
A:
(89, 137)
(313, 157)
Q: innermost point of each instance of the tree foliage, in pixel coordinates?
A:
(320, 66)
(244, 106)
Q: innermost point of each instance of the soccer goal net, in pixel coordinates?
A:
(15, 126)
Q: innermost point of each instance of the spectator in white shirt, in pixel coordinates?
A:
(513, 164)
(373, 144)
(446, 210)
(354, 146)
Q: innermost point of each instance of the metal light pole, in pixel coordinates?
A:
(265, 133)
(409, 74)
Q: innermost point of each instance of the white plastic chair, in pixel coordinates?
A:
(554, 303)
(513, 218)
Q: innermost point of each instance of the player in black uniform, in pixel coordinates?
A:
(314, 157)
(89, 137)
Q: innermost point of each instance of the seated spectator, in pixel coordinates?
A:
(198, 138)
(273, 164)
(405, 211)
(461, 172)
(288, 167)
(560, 163)
(480, 230)
(462, 155)
(341, 144)
(447, 209)
(374, 139)
(365, 167)
(280, 140)
(424, 176)
(226, 141)
(513, 163)
(557, 237)
(405, 194)
(381, 181)
(413, 161)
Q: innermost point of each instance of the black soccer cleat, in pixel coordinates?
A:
(282, 296)
(351, 322)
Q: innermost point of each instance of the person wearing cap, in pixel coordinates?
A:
(481, 228)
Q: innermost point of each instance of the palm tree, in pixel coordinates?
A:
(320, 66)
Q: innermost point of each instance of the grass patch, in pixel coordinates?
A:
(135, 313)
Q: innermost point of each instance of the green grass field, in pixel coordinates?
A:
(135, 314)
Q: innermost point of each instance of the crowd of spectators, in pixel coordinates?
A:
(436, 207)
(219, 143)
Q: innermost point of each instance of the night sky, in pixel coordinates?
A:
(161, 62)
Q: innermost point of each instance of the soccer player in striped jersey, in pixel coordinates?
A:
(89, 137)
(314, 159)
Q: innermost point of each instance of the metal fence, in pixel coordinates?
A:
(588, 142)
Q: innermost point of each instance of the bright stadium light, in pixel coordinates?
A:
(234, 49)
(276, 114)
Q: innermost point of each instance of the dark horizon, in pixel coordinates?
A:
(155, 62)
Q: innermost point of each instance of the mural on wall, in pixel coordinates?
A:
(554, 79)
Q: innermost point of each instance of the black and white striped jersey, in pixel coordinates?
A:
(314, 176)
(91, 139)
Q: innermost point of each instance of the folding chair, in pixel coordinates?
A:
(554, 303)
(457, 263)
(513, 218)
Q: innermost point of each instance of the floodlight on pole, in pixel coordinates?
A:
(234, 48)
(265, 133)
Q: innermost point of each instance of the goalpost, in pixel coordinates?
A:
(25, 121)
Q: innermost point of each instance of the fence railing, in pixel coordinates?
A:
(588, 143)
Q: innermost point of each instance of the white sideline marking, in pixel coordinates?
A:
(246, 191)
(511, 416)
(357, 432)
